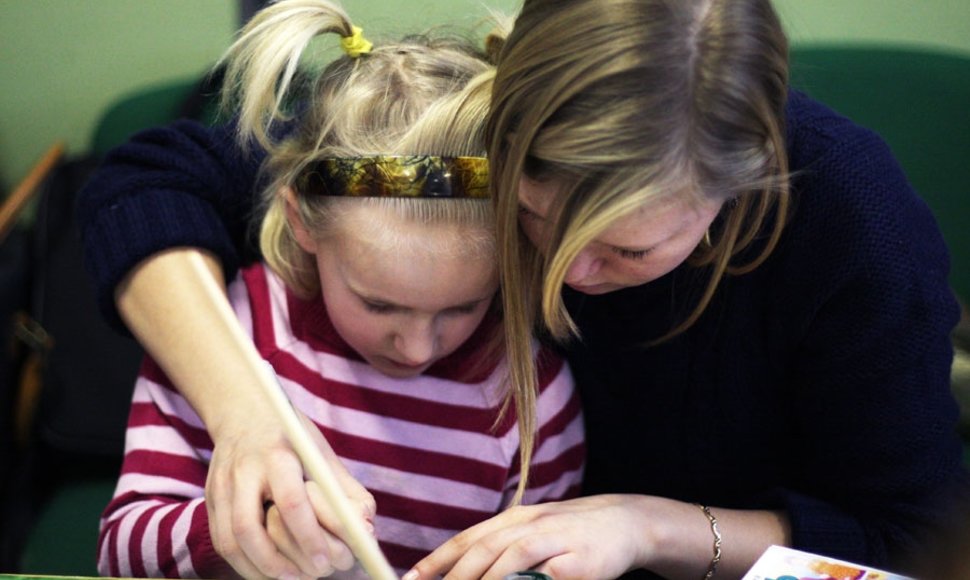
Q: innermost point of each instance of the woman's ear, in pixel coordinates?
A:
(302, 235)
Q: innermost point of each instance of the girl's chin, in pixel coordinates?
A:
(397, 370)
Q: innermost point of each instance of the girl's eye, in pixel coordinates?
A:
(378, 308)
(631, 254)
(462, 310)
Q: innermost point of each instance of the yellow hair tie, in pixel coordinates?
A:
(355, 44)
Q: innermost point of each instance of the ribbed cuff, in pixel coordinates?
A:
(821, 528)
(120, 236)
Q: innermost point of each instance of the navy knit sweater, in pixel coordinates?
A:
(818, 383)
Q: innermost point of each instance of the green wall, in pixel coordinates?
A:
(63, 61)
(939, 23)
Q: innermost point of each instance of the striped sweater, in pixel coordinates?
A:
(425, 447)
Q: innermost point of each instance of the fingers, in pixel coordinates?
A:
(300, 513)
(236, 527)
(502, 552)
(225, 545)
(468, 555)
(516, 551)
(357, 493)
(363, 500)
(339, 553)
(564, 567)
(288, 546)
(520, 538)
(301, 523)
(589, 537)
(298, 535)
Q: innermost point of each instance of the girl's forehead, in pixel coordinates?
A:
(424, 270)
(389, 231)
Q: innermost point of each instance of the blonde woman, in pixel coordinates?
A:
(752, 297)
(376, 307)
(750, 291)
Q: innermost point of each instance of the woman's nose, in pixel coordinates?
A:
(585, 265)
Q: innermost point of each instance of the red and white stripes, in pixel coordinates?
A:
(425, 446)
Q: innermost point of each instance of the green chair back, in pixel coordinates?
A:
(919, 102)
(151, 107)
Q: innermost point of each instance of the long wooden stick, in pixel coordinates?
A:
(27, 187)
(361, 542)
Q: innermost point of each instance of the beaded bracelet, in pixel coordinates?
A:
(712, 568)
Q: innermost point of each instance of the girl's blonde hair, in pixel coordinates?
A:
(424, 95)
(624, 103)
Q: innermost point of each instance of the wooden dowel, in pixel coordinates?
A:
(360, 541)
(27, 187)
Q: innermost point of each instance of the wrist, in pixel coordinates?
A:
(715, 543)
(246, 414)
(676, 538)
(659, 528)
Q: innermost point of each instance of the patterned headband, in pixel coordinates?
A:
(397, 176)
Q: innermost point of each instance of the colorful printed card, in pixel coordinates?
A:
(780, 563)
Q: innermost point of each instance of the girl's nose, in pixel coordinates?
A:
(416, 343)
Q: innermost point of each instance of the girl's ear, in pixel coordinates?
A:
(302, 235)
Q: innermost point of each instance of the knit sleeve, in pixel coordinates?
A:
(156, 524)
(182, 185)
(559, 455)
(879, 451)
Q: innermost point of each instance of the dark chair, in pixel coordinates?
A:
(918, 100)
(69, 467)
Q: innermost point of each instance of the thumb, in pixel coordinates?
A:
(357, 493)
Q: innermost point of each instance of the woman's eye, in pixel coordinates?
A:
(631, 254)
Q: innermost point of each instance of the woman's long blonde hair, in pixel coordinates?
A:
(423, 95)
(624, 103)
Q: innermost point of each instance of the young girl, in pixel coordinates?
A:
(375, 308)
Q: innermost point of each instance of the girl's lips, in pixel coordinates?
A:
(404, 366)
(400, 365)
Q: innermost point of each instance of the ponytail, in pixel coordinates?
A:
(262, 63)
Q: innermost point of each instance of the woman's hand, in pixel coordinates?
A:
(255, 470)
(590, 537)
(604, 536)
(174, 303)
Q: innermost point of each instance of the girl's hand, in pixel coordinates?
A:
(264, 519)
